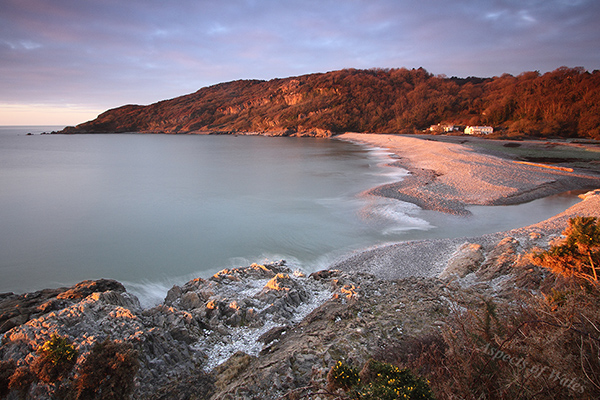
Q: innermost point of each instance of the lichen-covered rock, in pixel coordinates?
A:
(16, 310)
(158, 334)
(251, 296)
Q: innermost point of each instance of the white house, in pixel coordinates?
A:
(479, 130)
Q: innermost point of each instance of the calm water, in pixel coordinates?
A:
(156, 210)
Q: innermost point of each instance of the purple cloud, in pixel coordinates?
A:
(106, 53)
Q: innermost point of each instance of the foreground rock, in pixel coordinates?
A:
(16, 310)
(200, 325)
(259, 332)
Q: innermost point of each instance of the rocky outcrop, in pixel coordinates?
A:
(200, 324)
(264, 331)
(16, 310)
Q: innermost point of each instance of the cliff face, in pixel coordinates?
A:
(240, 106)
(563, 102)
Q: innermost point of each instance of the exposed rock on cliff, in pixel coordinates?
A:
(375, 101)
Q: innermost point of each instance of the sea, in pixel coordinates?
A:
(154, 210)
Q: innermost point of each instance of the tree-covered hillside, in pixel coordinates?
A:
(564, 102)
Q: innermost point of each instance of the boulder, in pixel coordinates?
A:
(467, 259)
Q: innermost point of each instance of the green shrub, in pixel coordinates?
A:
(57, 358)
(378, 381)
(342, 376)
(107, 372)
(387, 382)
(578, 256)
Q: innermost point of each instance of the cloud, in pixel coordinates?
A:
(107, 53)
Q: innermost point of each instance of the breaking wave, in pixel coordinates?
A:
(393, 216)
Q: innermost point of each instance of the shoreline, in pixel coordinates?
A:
(429, 258)
(447, 177)
(443, 178)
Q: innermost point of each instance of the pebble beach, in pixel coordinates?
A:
(447, 177)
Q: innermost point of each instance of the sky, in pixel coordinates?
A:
(63, 62)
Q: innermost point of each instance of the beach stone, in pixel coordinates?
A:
(467, 259)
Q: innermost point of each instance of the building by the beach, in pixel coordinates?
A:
(444, 128)
(479, 130)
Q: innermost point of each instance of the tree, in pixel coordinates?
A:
(578, 256)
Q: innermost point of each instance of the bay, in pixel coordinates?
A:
(156, 210)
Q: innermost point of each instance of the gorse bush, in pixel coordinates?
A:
(578, 256)
(57, 357)
(59, 350)
(378, 381)
(388, 382)
(342, 376)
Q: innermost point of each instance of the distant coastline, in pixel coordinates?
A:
(374, 101)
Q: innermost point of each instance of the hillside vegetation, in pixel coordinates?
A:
(564, 102)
